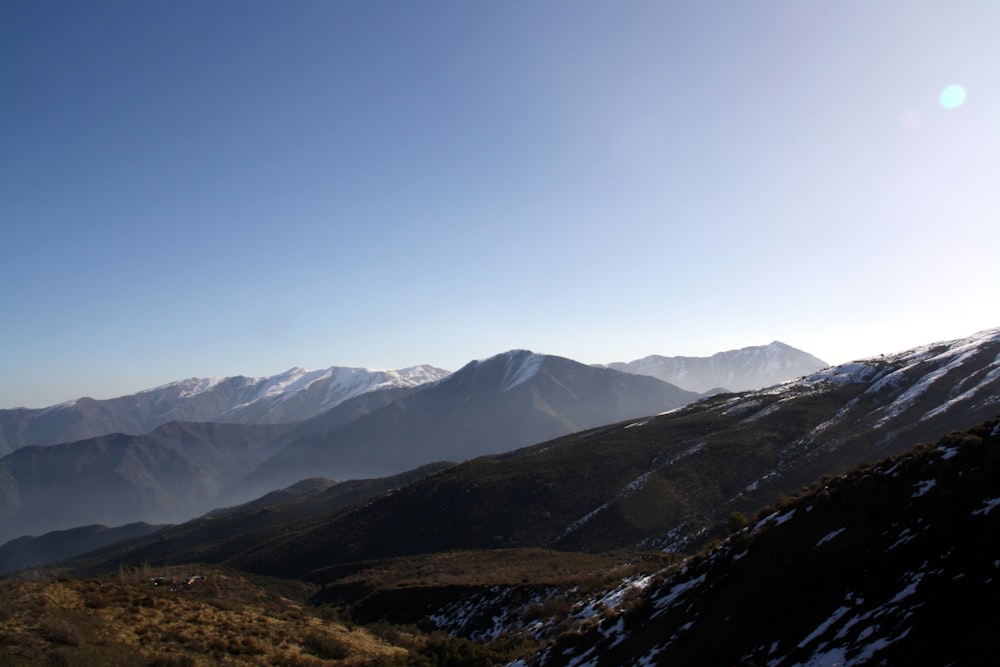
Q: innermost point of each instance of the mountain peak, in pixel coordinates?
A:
(751, 367)
(503, 371)
(521, 366)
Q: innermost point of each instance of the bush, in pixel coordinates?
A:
(326, 647)
(737, 522)
(444, 651)
(59, 631)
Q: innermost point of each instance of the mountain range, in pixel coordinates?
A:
(292, 396)
(182, 469)
(171, 452)
(667, 482)
(624, 543)
(297, 395)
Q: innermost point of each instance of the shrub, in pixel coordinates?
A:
(324, 646)
(445, 651)
(59, 631)
(737, 521)
(95, 600)
(173, 661)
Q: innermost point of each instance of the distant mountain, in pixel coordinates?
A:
(292, 396)
(176, 472)
(25, 552)
(493, 405)
(184, 469)
(666, 482)
(893, 564)
(231, 533)
(736, 370)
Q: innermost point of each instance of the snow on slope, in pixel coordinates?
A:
(295, 395)
(521, 367)
(261, 398)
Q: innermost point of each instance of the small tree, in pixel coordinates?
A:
(737, 522)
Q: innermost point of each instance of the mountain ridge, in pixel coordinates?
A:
(488, 406)
(742, 369)
(175, 472)
(665, 482)
(298, 394)
(292, 396)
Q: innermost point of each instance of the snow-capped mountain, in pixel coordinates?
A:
(735, 370)
(488, 406)
(295, 395)
(184, 467)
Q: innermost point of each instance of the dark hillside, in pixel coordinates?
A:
(233, 534)
(177, 471)
(57, 545)
(894, 563)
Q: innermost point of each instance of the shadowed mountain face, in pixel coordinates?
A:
(665, 482)
(27, 552)
(735, 370)
(292, 396)
(495, 405)
(171, 474)
(234, 534)
(895, 563)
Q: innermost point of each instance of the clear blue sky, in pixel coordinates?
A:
(198, 188)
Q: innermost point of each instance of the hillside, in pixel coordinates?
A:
(894, 563)
(177, 471)
(180, 616)
(25, 552)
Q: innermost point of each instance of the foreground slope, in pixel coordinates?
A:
(895, 563)
(182, 616)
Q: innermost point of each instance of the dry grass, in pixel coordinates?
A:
(126, 620)
(499, 567)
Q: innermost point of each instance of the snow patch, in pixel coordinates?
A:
(987, 507)
(948, 453)
(829, 536)
(521, 367)
(664, 602)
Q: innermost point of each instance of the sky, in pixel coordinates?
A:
(235, 187)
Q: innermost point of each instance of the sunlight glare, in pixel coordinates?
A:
(952, 97)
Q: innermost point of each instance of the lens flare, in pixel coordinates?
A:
(952, 97)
